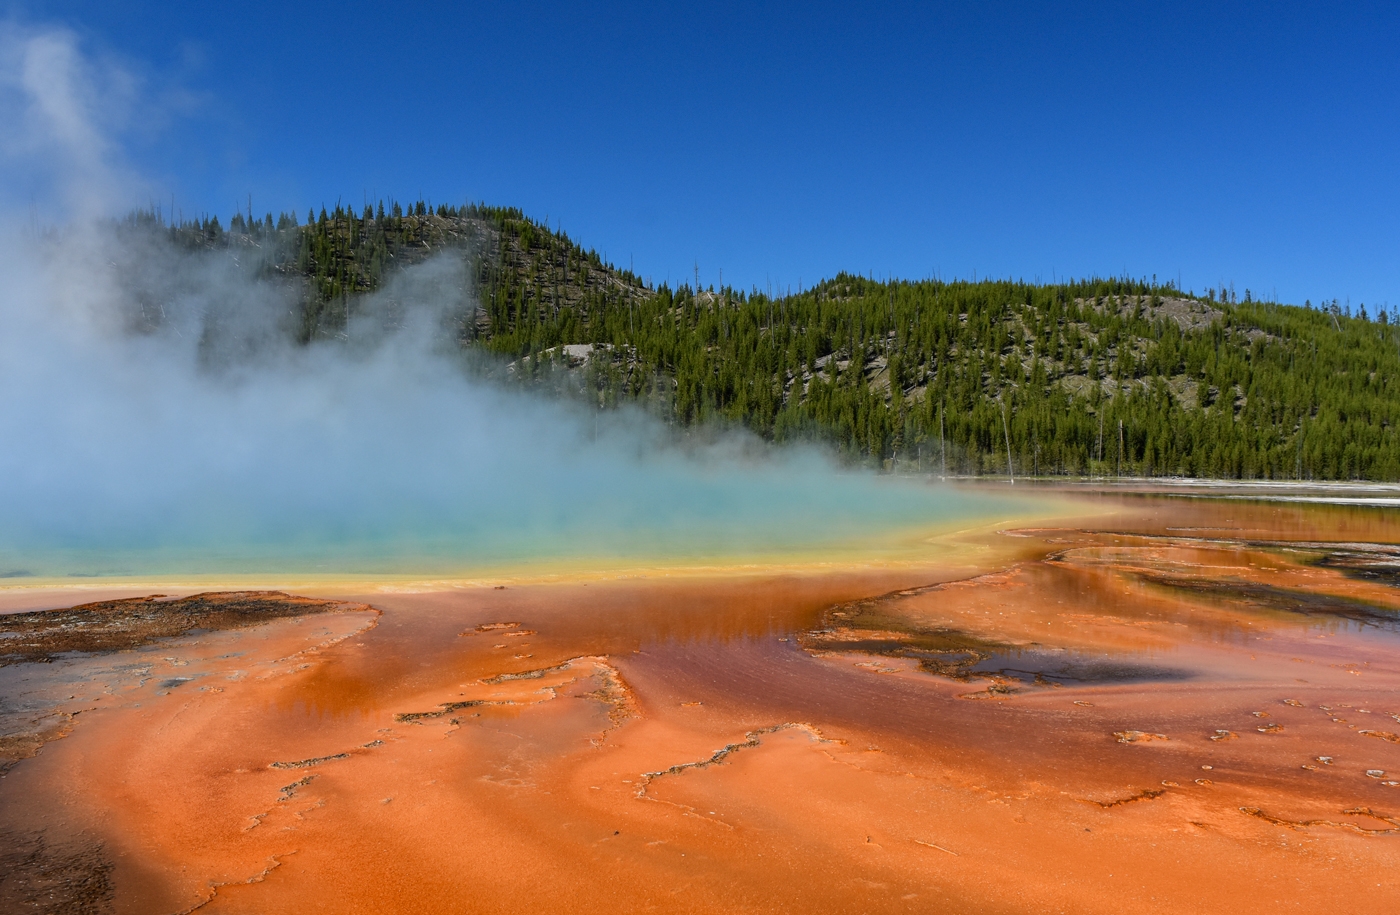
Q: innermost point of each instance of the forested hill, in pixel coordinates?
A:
(1101, 377)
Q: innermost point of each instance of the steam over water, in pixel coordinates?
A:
(155, 417)
(203, 440)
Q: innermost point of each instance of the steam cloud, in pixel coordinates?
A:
(202, 439)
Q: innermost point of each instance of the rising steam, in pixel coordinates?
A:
(158, 417)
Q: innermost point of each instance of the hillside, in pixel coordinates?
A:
(1102, 377)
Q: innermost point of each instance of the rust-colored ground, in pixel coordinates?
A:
(1192, 707)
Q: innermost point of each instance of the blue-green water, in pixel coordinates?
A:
(205, 443)
(667, 514)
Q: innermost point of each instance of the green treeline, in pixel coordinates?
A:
(1096, 377)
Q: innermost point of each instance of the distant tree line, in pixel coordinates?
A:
(1102, 377)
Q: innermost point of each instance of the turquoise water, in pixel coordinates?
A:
(670, 515)
(210, 445)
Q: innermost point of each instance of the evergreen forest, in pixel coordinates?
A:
(1099, 377)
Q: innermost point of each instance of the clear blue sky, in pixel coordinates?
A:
(1253, 143)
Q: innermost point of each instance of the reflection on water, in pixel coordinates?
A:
(1270, 599)
(1110, 607)
(1370, 562)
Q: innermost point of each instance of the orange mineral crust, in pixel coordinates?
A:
(1168, 710)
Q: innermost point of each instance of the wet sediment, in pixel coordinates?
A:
(67, 878)
(102, 641)
(1182, 721)
(121, 625)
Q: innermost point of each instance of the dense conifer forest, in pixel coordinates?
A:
(1100, 377)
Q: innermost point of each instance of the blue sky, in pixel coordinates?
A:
(781, 143)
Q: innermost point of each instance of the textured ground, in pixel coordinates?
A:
(1190, 707)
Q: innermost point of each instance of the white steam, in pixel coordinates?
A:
(62, 111)
(155, 415)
